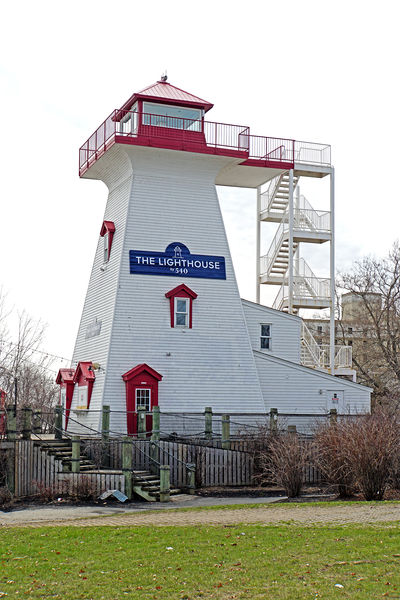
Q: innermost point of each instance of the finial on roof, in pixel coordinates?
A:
(164, 76)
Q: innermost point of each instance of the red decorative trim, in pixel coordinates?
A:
(65, 379)
(181, 291)
(141, 376)
(84, 376)
(138, 370)
(108, 227)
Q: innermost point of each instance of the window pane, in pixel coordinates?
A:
(143, 399)
(174, 117)
(265, 330)
(181, 306)
(181, 319)
(265, 343)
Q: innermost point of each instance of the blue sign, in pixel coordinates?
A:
(177, 262)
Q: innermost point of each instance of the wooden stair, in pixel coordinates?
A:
(147, 486)
(62, 450)
(144, 484)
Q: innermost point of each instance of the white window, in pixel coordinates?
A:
(181, 312)
(143, 398)
(63, 396)
(265, 338)
(82, 397)
(106, 246)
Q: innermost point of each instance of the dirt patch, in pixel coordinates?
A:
(355, 513)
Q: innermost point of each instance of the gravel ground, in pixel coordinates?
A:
(272, 513)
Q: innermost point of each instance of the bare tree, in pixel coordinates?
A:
(370, 316)
(21, 358)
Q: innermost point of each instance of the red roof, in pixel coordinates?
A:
(64, 375)
(83, 367)
(140, 369)
(181, 288)
(161, 91)
(107, 226)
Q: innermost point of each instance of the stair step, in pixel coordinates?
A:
(173, 492)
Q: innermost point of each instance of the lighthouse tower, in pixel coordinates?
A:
(163, 323)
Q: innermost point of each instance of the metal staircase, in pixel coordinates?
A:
(318, 356)
(275, 200)
(309, 226)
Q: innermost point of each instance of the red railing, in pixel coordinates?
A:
(192, 135)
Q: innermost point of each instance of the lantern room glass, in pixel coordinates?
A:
(173, 117)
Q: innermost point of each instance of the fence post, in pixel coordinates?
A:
(155, 433)
(26, 423)
(11, 431)
(165, 483)
(37, 422)
(273, 420)
(208, 431)
(105, 424)
(155, 438)
(58, 423)
(105, 436)
(333, 416)
(127, 465)
(191, 467)
(226, 432)
(76, 454)
(141, 422)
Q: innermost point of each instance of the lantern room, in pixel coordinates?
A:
(165, 106)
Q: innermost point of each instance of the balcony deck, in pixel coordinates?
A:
(252, 151)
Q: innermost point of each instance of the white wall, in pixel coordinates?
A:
(285, 330)
(170, 197)
(292, 388)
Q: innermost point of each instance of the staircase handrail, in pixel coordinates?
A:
(343, 356)
(309, 341)
(267, 260)
(320, 286)
(268, 196)
(277, 304)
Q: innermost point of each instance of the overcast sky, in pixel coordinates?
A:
(312, 70)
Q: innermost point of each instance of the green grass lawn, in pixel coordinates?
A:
(242, 561)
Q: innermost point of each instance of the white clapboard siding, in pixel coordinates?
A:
(285, 330)
(170, 197)
(292, 388)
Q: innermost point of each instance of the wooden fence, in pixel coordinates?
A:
(38, 473)
(214, 466)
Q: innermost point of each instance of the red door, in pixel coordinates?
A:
(141, 388)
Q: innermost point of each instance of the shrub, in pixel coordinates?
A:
(331, 459)
(371, 451)
(5, 496)
(47, 493)
(85, 489)
(283, 462)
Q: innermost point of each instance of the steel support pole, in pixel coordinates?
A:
(332, 272)
(258, 245)
(290, 268)
(297, 208)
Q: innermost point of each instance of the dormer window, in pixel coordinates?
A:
(107, 232)
(181, 306)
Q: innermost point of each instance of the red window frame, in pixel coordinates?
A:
(108, 228)
(181, 291)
